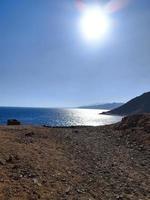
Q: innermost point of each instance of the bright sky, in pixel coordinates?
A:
(45, 61)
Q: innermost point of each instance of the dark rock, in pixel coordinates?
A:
(13, 122)
(30, 134)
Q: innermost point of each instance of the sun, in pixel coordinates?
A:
(94, 23)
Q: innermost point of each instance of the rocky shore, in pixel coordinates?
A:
(77, 163)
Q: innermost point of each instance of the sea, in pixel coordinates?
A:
(57, 116)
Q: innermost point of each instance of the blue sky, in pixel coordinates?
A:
(44, 61)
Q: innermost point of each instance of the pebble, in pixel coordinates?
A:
(35, 180)
(2, 161)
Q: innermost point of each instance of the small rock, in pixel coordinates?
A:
(2, 161)
(80, 190)
(15, 176)
(119, 197)
(35, 180)
(68, 190)
(1, 179)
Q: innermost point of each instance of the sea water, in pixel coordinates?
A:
(57, 116)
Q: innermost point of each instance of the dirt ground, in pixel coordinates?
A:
(76, 163)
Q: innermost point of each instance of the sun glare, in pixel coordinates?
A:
(94, 23)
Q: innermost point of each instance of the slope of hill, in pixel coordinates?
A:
(140, 104)
(107, 106)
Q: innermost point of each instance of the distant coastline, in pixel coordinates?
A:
(107, 106)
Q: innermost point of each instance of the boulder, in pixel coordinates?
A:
(13, 122)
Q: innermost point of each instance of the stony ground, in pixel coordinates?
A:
(78, 163)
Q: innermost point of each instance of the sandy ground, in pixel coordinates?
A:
(78, 163)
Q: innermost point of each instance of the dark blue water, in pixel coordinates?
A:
(56, 117)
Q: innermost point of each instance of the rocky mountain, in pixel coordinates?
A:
(138, 105)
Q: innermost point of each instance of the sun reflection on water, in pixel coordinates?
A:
(90, 117)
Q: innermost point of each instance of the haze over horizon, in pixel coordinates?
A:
(44, 61)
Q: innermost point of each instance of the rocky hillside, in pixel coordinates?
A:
(140, 104)
(135, 121)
